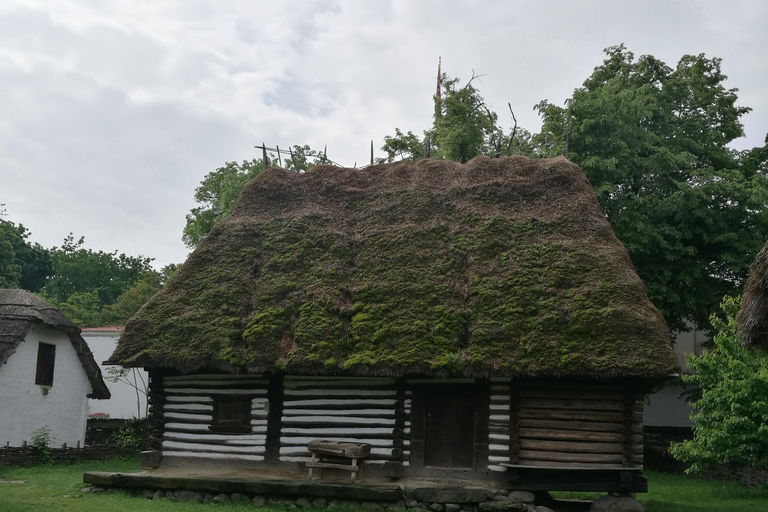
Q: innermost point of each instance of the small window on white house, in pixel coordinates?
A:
(231, 414)
(46, 358)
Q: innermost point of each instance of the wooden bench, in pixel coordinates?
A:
(323, 450)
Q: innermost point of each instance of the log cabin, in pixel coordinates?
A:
(474, 321)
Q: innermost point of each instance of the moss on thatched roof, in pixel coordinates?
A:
(20, 310)
(503, 267)
(753, 315)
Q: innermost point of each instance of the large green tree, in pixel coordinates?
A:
(90, 280)
(219, 190)
(23, 264)
(653, 141)
(216, 196)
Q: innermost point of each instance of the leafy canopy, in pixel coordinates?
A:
(23, 264)
(653, 142)
(731, 418)
(219, 190)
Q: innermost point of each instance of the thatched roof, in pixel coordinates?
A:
(753, 315)
(20, 310)
(499, 267)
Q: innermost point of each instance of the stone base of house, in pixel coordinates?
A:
(414, 495)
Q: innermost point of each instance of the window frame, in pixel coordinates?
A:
(46, 364)
(229, 426)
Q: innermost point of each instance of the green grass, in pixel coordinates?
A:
(679, 493)
(57, 488)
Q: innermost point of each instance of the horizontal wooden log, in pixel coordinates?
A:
(212, 377)
(212, 456)
(373, 413)
(201, 391)
(591, 426)
(570, 457)
(583, 394)
(576, 415)
(570, 435)
(561, 384)
(378, 443)
(184, 417)
(344, 393)
(341, 421)
(339, 448)
(207, 438)
(222, 384)
(571, 446)
(498, 429)
(341, 403)
(323, 431)
(192, 428)
(189, 399)
(215, 448)
(347, 467)
(574, 465)
(568, 405)
(188, 407)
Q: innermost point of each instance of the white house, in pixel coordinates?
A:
(129, 397)
(667, 407)
(47, 372)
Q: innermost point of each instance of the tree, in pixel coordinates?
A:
(653, 142)
(85, 281)
(22, 264)
(129, 303)
(731, 417)
(216, 195)
(220, 189)
(302, 158)
(464, 125)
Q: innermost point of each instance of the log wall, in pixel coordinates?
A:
(361, 410)
(188, 413)
(499, 425)
(575, 425)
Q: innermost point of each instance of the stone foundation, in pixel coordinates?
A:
(465, 500)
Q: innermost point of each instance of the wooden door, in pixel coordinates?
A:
(450, 429)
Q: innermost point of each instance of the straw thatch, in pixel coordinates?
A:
(753, 315)
(20, 310)
(503, 267)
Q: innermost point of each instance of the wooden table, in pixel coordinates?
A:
(335, 455)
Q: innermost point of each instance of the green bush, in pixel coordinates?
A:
(731, 417)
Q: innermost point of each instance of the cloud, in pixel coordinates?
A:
(114, 111)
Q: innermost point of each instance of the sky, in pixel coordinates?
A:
(112, 112)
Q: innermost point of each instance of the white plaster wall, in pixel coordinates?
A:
(24, 408)
(667, 408)
(123, 403)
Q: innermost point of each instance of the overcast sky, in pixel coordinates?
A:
(111, 112)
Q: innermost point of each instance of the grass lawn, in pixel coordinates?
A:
(55, 488)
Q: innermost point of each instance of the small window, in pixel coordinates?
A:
(231, 414)
(46, 357)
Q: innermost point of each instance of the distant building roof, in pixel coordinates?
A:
(106, 328)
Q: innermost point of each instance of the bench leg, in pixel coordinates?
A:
(309, 475)
(354, 473)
